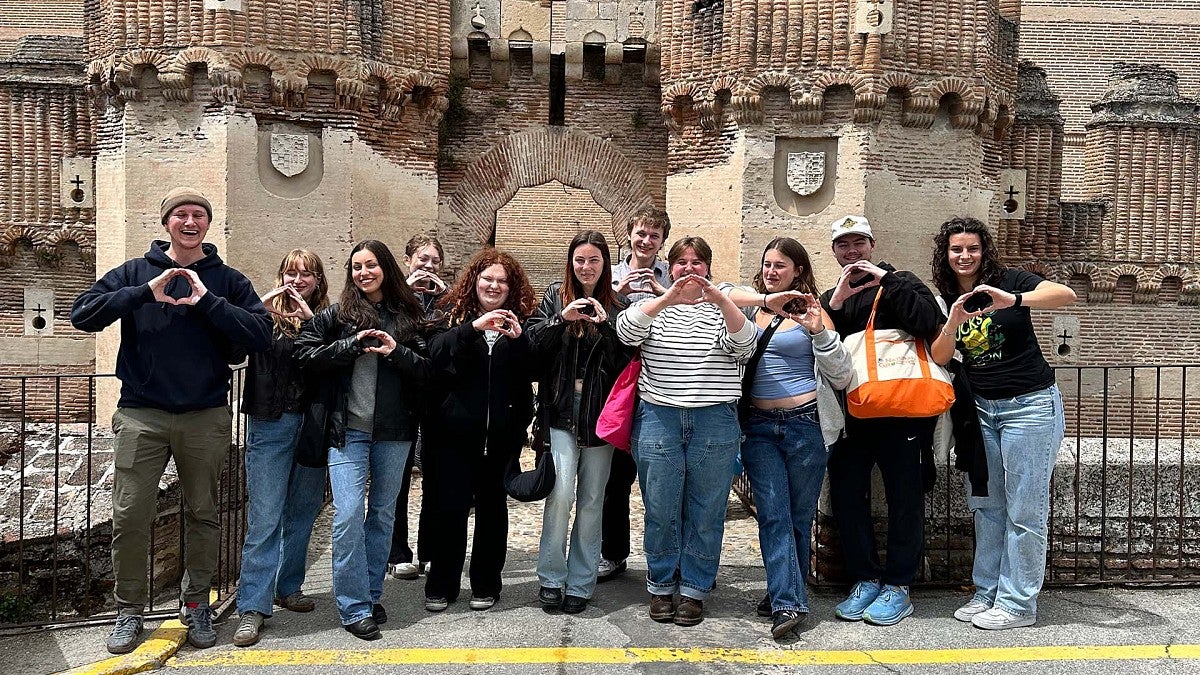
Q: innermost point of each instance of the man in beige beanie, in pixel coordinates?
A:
(185, 317)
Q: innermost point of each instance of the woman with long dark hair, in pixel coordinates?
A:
(792, 414)
(575, 341)
(686, 436)
(1020, 414)
(368, 352)
(484, 402)
(284, 497)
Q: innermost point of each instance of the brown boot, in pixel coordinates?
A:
(662, 608)
(690, 612)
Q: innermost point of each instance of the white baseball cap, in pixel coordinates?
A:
(850, 225)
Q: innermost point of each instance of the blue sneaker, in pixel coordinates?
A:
(890, 607)
(862, 595)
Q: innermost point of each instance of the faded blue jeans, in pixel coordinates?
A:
(785, 456)
(685, 467)
(580, 475)
(284, 500)
(1021, 437)
(362, 535)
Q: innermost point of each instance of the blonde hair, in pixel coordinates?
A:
(319, 299)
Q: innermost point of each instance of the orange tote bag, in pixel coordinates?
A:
(894, 375)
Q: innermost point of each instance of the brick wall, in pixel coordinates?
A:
(1077, 42)
(615, 125)
(540, 221)
(44, 17)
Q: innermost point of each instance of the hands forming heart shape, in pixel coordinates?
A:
(158, 285)
(302, 311)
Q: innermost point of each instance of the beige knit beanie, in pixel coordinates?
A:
(183, 195)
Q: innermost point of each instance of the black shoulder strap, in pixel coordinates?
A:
(752, 364)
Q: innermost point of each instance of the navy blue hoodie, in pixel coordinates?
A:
(176, 357)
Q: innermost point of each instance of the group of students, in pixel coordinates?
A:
(758, 372)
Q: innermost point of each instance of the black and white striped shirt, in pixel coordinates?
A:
(689, 357)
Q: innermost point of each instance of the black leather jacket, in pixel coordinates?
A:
(327, 348)
(274, 384)
(597, 358)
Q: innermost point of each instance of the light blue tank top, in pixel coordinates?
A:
(787, 367)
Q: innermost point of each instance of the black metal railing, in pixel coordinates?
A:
(1124, 506)
(56, 515)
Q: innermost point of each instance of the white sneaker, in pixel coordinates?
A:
(998, 618)
(969, 610)
(404, 570)
(480, 604)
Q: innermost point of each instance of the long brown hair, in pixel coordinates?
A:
(990, 269)
(804, 280)
(461, 302)
(318, 299)
(355, 310)
(572, 290)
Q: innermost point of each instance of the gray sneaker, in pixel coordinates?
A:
(125, 634)
(200, 627)
(248, 629)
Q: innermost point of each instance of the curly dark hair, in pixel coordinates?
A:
(461, 303)
(804, 282)
(990, 269)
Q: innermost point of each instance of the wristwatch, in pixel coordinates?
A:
(1016, 299)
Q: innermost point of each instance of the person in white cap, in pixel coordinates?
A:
(880, 594)
(185, 317)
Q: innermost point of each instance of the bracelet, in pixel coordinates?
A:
(764, 302)
(943, 330)
(1017, 300)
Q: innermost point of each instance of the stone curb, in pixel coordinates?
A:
(150, 655)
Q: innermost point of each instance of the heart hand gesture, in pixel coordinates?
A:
(158, 286)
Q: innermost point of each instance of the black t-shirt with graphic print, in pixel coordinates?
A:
(1000, 349)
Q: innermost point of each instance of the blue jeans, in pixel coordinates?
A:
(1021, 437)
(579, 473)
(785, 455)
(362, 537)
(685, 467)
(284, 500)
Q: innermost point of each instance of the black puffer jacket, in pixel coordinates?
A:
(326, 350)
(597, 357)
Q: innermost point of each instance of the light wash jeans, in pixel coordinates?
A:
(1021, 437)
(685, 467)
(578, 473)
(362, 536)
(785, 459)
(284, 500)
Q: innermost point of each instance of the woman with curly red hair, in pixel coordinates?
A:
(483, 372)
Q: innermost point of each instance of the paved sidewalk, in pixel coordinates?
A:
(1079, 630)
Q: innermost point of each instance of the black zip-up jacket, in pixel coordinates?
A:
(484, 395)
(597, 358)
(176, 357)
(907, 304)
(326, 350)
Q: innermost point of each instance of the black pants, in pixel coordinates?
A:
(614, 528)
(464, 477)
(401, 553)
(895, 445)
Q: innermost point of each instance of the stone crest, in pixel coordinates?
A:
(805, 172)
(289, 153)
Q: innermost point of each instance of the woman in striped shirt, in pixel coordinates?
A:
(685, 431)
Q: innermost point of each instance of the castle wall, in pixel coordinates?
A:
(1078, 41)
(19, 18)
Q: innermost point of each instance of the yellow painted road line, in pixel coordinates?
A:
(151, 654)
(642, 655)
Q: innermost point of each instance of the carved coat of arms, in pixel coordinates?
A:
(289, 153)
(805, 172)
